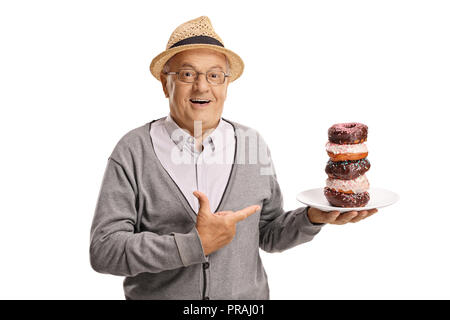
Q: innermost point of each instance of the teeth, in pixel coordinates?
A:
(199, 100)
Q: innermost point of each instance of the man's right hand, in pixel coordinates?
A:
(217, 230)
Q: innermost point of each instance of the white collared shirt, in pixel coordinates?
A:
(207, 170)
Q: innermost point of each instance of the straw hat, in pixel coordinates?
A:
(194, 34)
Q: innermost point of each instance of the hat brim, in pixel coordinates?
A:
(236, 63)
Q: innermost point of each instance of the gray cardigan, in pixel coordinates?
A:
(144, 228)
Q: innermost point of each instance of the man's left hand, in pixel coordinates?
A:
(336, 217)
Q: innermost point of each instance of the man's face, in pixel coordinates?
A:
(181, 94)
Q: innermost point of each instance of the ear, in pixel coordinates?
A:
(226, 87)
(163, 78)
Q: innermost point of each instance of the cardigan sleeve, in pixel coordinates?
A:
(116, 249)
(281, 230)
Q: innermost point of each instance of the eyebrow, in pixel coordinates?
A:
(189, 65)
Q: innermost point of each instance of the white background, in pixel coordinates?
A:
(74, 79)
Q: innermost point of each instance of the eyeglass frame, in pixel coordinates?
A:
(226, 75)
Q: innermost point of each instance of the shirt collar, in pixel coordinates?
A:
(182, 137)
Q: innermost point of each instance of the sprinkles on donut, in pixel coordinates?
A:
(348, 133)
(347, 185)
(348, 169)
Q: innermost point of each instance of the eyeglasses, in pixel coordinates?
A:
(190, 76)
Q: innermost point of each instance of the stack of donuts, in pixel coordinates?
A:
(347, 185)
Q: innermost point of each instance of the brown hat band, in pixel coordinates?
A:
(197, 39)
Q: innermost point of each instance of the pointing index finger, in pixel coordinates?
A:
(244, 213)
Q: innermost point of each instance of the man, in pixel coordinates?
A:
(184, 207)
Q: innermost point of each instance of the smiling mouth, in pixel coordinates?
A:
(199, 101)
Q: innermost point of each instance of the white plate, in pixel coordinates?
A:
(378, 198)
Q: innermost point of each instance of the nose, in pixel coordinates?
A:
(201, 84)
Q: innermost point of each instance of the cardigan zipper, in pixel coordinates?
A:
(204, 265)
(233, 168)
(204, 283)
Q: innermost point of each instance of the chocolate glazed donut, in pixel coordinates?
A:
(348, 133)
(347, 170)
(346, 200)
